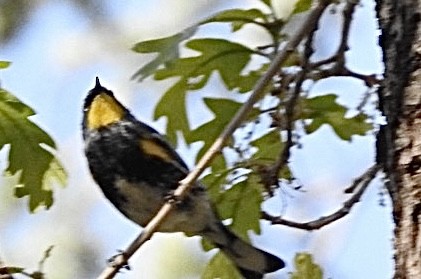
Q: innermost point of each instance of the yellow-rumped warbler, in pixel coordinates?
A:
(137, 169)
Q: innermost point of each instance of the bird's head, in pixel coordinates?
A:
(101, 108)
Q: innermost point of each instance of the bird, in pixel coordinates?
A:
(137, 168)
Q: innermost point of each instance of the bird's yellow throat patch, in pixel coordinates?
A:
(104, 110)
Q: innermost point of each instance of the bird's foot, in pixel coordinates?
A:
(119, 260)
(172, 198)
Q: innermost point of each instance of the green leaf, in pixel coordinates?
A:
(247, 82)
(55, 173)
(219, 165)
(173, 106)
(213, 184)
(305, 267)
(269, 150)
(228, 58)
(302, 6)
(269, 147)
(237, 17)
(325, 110)
(221, 267)
(206, 244)
(31, 152)
(4, 64)
(242, 203)
(167, 49)
(225, 57)
(217, 177)
(224, 110)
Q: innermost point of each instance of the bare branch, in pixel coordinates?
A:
(369, 80)
(219, 143)
(347, 13)
(363, 181)
(338, 59)
(312, 71)
(290, 109)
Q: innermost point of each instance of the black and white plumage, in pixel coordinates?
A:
(136, 168)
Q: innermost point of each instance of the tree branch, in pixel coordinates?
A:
(4, 271)
(347, 13)
(290, 110)
(310, 70)
(338, 59)
(363, 181)
(369, 80)
(215, 149)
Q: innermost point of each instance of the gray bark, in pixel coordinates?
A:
(399, 142)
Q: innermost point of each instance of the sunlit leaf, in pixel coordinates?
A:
(242, 203)
(4, 64)
(269, 146)
(248, 81)
(302, 6)
(224, 110)
(305, 268)
(325, 110)
(55, 173)
(168, 49)
(173, 106)
(217, 178)
(237, 17)
(30, 153)
(225, 57)
(220, 267)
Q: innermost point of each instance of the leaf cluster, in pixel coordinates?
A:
(254, 161)
(31, 153)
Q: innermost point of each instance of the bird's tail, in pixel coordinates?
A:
(252, 263)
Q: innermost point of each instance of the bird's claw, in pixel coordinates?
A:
(172, 198)
(119, 260)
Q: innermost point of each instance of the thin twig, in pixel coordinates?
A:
(4, 271)
(363, 181)
(323, 62)
(290, 106)
(369, 80)
(215, 149)
(306, 71)
(338, 59)
(347, 13)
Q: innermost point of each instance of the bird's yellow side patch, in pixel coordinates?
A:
(152, 148)
(103, 111)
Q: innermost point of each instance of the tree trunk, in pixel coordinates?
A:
(399, 142)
